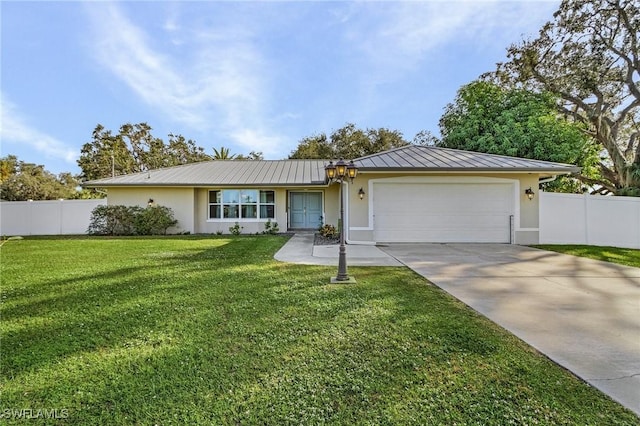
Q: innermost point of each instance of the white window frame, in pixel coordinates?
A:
(239, 204)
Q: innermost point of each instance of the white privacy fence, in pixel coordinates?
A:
(60, 217)
(589, 219)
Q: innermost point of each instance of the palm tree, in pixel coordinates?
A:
(223, 154)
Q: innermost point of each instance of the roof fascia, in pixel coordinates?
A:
(464, 170)
(207, 185)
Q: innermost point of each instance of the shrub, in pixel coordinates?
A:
(154, 221)
(111, 220)
(328, 231)
(130, 220)
(270, 228)
(236, 229)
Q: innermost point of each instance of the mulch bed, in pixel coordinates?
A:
(319, 240)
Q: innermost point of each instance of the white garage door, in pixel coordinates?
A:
(439, 212)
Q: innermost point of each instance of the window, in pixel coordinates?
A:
(242, 204)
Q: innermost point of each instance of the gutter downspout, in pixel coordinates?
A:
(547, 180)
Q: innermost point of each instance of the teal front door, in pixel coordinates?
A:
(306, 210)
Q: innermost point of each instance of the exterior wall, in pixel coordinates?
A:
(180, 200)
(332, 205)
(589, 219)
(526, 214)
(58, 217)
(190, 205)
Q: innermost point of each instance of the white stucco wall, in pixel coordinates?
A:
(190, 205)
(180, 200)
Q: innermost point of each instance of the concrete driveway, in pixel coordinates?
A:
(583, 314)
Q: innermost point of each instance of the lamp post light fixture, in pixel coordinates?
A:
(338, 172)
(361, 193)
(529, 193)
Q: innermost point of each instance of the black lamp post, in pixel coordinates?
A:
(338, 173)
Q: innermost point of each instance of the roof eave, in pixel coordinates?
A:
(199, 185)
(471, 170)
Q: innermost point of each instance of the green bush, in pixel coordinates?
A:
(154, 220)
(236, 229)
(271, 227)
(112, 220)
(130, 220)
(328, 231)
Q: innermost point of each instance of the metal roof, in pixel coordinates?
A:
(225, 172)
(430, 158)
(311, 172)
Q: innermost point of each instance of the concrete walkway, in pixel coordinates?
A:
(581, 313)
(300, 249)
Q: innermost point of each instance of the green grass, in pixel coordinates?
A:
(623, 256)
(212, 330)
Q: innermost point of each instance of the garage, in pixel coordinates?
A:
(443, 212)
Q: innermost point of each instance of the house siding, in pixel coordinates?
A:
(180, 200)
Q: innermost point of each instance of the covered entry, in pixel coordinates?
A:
(443, 212)
(305, 210)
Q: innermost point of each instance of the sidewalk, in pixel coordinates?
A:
(300, 249)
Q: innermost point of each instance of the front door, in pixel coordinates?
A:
(306, 210)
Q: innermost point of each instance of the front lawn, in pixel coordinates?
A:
(623, 256)
(212, 330)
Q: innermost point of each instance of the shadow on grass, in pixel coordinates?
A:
(225, 335)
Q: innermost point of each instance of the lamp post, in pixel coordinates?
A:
(338, 173)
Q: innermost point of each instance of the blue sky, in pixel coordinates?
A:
(250, 76)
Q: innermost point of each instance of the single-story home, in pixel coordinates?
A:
(408, 194)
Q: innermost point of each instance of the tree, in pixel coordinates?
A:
(317, 146)
(20, 181)
(487, 118)
(425, 138)
(348, 142)
(588, 56)
(134, 149)
(253, 156)
(223, 154)
(183, 151)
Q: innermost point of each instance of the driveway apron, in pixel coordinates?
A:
(583, 314)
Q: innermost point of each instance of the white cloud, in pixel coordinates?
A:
(217, 81)
(260, 140)
(403, 33)
(14, 129)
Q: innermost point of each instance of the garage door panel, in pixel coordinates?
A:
(442, 212)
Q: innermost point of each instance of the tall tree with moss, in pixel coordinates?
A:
(20, 181)
(134, 149)
(588, 57)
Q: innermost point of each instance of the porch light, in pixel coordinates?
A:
(338, 173)
(529, 193)
(361, 193)
(352, 171)
(330, 171)
(150, 202)
(341, 169)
